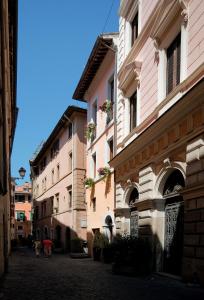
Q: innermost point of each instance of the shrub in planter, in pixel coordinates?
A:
(100, 241)
(89, 182)
(107, 254)
(76, 245)
(132, 256)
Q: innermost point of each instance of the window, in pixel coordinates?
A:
(173, 63)
(54, 149)
(45, 183)
(94, 204)
(94, 164)
(20, 227)
(110, 143)
(20, 216)
(70, 198)
(94, 118)
(69, 130)
(111, 98)
(70, 162)
(19, 198)
(58, 172)
(56, 203)
(51, 204)
(94, 112)
(134, 26)
(53, 176)
(133, 111)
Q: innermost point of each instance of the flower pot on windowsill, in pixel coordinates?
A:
(104, 172)
(89, 182)
(106, 107)
(91, 131)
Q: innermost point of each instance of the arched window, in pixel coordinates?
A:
(134, 195)
(108, 221)
(174, 183)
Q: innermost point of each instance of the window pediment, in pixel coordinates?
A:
(129, 76)
(166, 13)
(126, 8)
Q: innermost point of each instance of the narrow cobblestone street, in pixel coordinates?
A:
(61, 277)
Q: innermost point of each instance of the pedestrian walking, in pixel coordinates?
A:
(37, 246)
(47, 244)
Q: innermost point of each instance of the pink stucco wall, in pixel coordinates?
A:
(195, 35)
(103, 190)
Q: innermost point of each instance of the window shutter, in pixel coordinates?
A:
(133, 111)
(178, 48)
(173, 63)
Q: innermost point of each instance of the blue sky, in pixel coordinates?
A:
(55, 38)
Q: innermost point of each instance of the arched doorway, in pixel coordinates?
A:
(134, 216)
(108, 228)
(174, 213)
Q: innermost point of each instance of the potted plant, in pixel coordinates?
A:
(107, 106)
(88, 182)
(90, 130)
(105, 171)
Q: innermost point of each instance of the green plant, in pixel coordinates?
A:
(76, 245)
(107, 106)
(132, 255)
(90, 131)
(105, 171)
(89, 182)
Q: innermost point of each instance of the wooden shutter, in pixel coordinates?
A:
(111, 149)
(173, 64)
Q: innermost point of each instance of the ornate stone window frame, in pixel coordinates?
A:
(170, 20)
(129, 82)
(128, 10)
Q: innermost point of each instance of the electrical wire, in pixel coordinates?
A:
(108, 16)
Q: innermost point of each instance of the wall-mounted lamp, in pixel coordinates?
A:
(21, 172)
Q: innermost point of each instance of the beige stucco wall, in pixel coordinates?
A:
(71, 177)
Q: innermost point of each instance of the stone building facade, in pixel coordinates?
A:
(58, 172)
(8, 115)
(159, 162)
(97, 88)
(23, 211)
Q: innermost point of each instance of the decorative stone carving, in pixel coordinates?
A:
(184, 14)
(129, 76)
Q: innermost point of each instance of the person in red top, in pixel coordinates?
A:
(47, 244)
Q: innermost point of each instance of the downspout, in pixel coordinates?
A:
(115, 118)
(70, 121)
(115, 50)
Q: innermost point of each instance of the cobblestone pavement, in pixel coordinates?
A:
(61, 277)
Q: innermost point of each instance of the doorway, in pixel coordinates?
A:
(174, 223)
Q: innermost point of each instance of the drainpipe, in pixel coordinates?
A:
(115, 50)
(70, 121)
